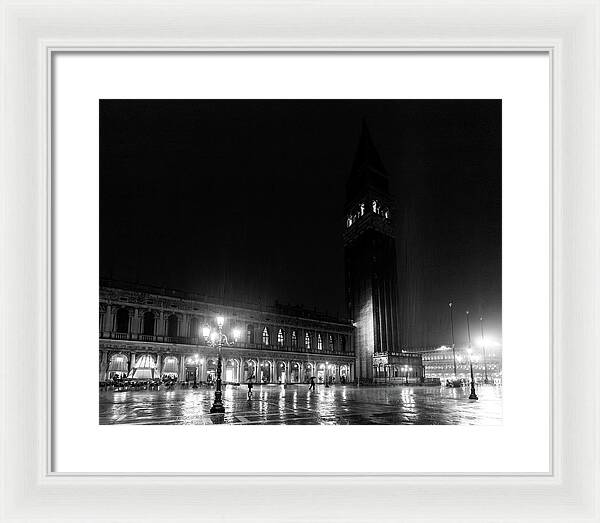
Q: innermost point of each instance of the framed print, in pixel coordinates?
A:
(311, 254)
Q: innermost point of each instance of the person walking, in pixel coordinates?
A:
(312, 383)
(250, 385)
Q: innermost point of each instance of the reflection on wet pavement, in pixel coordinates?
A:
(337, 405)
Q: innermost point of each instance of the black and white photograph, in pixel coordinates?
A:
(300, 262)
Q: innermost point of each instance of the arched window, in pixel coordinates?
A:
(280, 338)
(319, 342)
(265, 336)
(294, 339)
(307, 340)
(149, 323)
(250, 334)
(343, 340)
(330, 342)
(172, 326)
(122, 320)
(195, 328)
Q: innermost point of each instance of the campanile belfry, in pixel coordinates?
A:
(370, 257)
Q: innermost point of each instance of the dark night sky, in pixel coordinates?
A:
(243, 199)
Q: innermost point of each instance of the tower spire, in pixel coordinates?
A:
(368, 171)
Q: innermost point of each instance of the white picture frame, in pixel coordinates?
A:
(33, 31)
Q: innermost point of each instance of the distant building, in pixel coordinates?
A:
(150, 333)
(371, 269)
(438, 362)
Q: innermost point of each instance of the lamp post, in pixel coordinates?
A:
(326, 374)
(452, 332)
(472, 396)
(485, 379)
(217, 339)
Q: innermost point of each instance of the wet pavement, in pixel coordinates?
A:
(337, 405)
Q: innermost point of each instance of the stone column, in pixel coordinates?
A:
(203, 368)
(160, 324)
(101, 360)
(181, 376)
(135, 321)
(241, 371)
(108, 319)
(159, 364)
(131, 361)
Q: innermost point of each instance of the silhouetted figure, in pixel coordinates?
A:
(312, 384)
(250, 385)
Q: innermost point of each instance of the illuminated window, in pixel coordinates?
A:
(330, 342)
(374, 205)
(265, 336)
(250, 334)
(294, 339)
(319, 342)
(362, 209)
(307, 340)
(280, 338)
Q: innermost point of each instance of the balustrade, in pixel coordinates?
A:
(186, 340)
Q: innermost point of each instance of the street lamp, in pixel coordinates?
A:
(472, 396)
(485, 379)
(217, 339)
(452, 331)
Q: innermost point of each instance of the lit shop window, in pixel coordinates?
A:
(265, 336)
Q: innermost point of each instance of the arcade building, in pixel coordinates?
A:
(151, 333)
(154, 333)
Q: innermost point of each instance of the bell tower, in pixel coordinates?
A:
(370, 258)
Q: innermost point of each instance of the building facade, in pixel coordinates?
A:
(371, 267)
(152, 333)
(438, 362)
